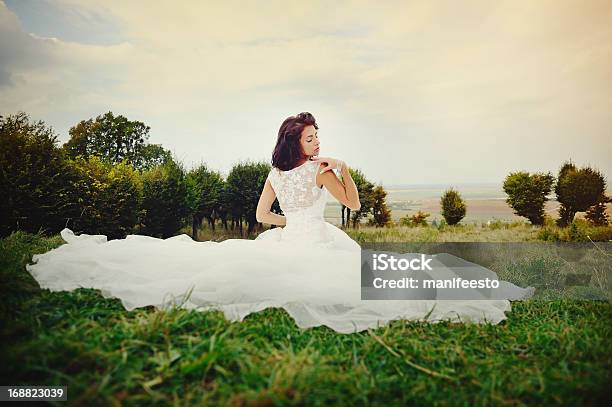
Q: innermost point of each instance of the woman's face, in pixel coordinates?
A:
(310, 141)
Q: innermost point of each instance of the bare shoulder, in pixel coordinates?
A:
(326, 177)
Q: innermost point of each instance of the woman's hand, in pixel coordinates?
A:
(344, 191)
(331, 163)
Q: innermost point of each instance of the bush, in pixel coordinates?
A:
(205, 189)
(418, 219)
(596, 215)
(495, 225)
(453, 207)
(527, 194)
(16, 285)
(577, 190)
(244, 184)
(108, 197)
(33, 182)
(578, 231)
(442, 225)
(165, 200)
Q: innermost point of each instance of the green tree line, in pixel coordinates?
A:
(108, 179)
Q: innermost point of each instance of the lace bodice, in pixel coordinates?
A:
(297, 188)
(303, 204)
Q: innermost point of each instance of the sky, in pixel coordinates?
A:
(409, 92)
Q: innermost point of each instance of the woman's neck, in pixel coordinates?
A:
(304, 159)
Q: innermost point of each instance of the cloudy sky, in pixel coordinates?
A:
(410, 92)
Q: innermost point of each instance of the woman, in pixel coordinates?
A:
(300, 180)
(309, 267)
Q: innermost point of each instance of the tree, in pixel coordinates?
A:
(224, 208)
(380, 212)
(577, 190)
(527, 194)
(245, 183)
(115, 139)
(366, 197)
(453, 207)
(596, 215)
(151, 156)
(194, 193)
(165, 199)
(33, 177)
(208, 186)
(108, 197)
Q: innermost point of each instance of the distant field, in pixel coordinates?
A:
(484, 202)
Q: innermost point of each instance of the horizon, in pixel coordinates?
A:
(441, 89)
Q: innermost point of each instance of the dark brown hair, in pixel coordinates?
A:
(288, 151)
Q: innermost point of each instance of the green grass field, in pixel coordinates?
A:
(546, 352)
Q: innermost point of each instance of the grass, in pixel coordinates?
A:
(496, 231)
(456, 233)
(546, 352)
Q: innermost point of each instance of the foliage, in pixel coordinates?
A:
(380, 212)
(418, 219)
(527, 194)
(596, 214)
(578, 231)
(165, 199)
(453, 207)
(33, 182)
(225, 206)
(577, 190)
(151, 156)
(115, 139)
(205, 187)
(16, 285)
(366, 196)
(108, 197)
(244, 185)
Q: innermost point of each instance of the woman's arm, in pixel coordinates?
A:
(346, 192)
(266, 200)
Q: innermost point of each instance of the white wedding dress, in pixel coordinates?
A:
(310, 268)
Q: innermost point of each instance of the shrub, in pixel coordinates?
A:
(33, 182)
(578, 231)
(165, 200)
(577, 190)
(453, 207)
(108, 197)
(527, 194)
(596, 215)
(244, 184)
(418, 219)
(205, 188)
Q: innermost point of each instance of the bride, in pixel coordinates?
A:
(307, 266)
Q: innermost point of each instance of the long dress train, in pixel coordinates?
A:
(310, 268)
